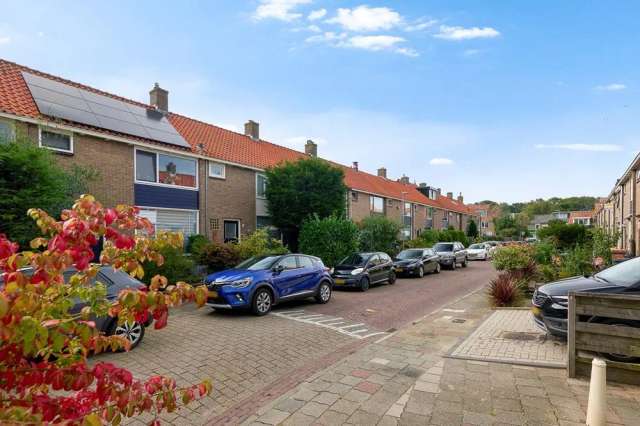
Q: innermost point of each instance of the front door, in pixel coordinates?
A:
(231, 231)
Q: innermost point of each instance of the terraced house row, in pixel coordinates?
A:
(620, 211)
(187, 175)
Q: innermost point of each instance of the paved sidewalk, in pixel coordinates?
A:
(406, 380)
(511, 336)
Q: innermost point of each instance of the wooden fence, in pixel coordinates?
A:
(587, 338)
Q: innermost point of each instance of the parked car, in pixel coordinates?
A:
(416, 262)
(550, 301)
(492, 246)
(115, 281)
(478, 251)
(451, 254)
(361, 270)
(261, 282)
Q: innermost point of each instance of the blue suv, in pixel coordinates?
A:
(263, 281)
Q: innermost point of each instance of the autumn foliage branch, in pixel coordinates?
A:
(45, 376)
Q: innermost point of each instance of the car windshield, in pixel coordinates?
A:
(409, 254)
(120, 277)
(624, 274)
(355, 259)
(443, 247)
(258, 263)
(476, 246)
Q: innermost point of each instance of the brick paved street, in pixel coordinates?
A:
(510, 335)
(255, 360)
(405, 380)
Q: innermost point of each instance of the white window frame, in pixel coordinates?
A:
(239, 227)
(261, 197)
(157, 183)
(224, 170)
(372, 204)
(59, 132)
(155, 209)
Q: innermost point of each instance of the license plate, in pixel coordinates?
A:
(213, 294)
(339, 281)
(399, 269)
(535, 310)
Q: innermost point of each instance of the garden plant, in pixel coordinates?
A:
(45, 376)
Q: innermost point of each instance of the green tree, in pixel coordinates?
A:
(331, 239)
(472, 229)
(31, 178)
(378, 233)
(299, 190)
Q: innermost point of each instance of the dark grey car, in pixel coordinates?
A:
(451, 254)
(115, 281)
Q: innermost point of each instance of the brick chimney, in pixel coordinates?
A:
(355, 166)
(159, 98)
(252, 129)
(311, 148)
(404, 179)
(460, 198)
(382, 172)
(450, 195)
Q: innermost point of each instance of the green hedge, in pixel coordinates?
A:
(331, 239)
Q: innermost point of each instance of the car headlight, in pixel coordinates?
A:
(331, 270)
(245, 282)
(357, 271)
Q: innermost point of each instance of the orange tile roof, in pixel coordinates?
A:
(212, 141)
(580, 214)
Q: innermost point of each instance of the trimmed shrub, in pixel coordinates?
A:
(259, 243)
(218, 257)
(331, 239)
(196, 243)
(429, 237)
(544, 252)
(512, 258)
(176, 267)
(577, 261)
(504, 290)
(565, 236)
(378, 233)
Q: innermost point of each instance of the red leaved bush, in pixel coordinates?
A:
(44, 373)
(504, 290)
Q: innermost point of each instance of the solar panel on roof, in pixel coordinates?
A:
(82, 106)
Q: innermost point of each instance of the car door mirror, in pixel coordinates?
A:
(278, 269)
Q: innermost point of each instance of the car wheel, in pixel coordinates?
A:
(324, 293)
(619, 357)
(392, 278)
(437, 270)
(464, 263)
(421, 271)
(364, 284)
(262, 302)
(132, 331)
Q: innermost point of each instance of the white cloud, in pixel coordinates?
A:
(317, 14)
(613, 87)
(471, 52)
(283, 10)
(441, 162)
(420, 24)
(372, 43)
(461, 33)
(365, 18)
(5, 40)
(582, 147)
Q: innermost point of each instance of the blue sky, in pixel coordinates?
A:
(507, 101)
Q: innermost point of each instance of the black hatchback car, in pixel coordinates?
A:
(360, 270)
(417, 262)
(115, 281)
(550, 302)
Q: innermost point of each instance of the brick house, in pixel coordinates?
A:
(486, 214)
(581, 217)
(186, 175)
(620, 210)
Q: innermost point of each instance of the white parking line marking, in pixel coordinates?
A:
(333, 323)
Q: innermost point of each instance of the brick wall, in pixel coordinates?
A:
(360, 208)
(419, 219)
(232, 198)
(113, 161)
